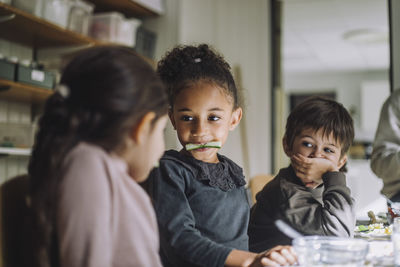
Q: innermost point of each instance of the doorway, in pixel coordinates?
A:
(341, 48)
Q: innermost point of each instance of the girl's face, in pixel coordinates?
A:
(148, 148)
(203, 113)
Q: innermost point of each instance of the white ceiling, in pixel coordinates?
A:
(313, 32)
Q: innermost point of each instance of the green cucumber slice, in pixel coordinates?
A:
(363, 228)
(213, 144)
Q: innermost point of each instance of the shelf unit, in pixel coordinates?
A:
(15, 151)
(21, 27)
(23, 92)
(26, 29)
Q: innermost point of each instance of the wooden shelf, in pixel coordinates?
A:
(21, 27)
(16, 91)
(15, 151)
(30, 30)
(127, 7)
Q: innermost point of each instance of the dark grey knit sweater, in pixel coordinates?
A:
(202, 209)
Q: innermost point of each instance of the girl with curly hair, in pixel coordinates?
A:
(199, 194)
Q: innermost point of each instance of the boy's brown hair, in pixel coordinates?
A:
(321, 113)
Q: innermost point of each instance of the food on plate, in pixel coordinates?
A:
(373, 230)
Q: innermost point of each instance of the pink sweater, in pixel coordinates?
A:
(104, 218)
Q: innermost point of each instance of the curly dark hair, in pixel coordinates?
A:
(183, 66)
(110, 89)
(321, 113)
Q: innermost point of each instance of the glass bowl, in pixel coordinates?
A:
(330, 251)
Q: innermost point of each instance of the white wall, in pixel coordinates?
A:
(198, 23)
(365, 188)
(240, 31)
(347, 85)
(166, 26)
(350, 88)
(372, 95)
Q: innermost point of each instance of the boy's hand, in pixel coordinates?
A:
(311, 168)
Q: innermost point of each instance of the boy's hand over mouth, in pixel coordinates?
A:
(310, 170)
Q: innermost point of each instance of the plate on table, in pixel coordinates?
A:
(376, 231)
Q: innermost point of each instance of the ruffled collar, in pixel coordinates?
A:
(225, 174)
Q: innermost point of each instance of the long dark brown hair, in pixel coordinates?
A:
(106, 91)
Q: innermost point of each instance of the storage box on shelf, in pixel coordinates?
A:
(113, 27)
(57, 12)
(26, 29)
(29, 75)
(23, 83)
(79, 16)
(127, 32)
(104, 26)
(33, 7)
(7, 69)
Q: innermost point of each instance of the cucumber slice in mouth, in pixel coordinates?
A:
(213, 144)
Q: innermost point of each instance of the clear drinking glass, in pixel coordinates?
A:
(396, 240)
(330, 251)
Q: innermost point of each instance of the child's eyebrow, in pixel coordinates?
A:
(183, 109)
(332, 145)
(215, 109)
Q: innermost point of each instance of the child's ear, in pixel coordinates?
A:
(171, 117)
(235, 118)
(143, 128)
(286, 148)
(342, 161)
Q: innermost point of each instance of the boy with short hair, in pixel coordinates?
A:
(311, 194)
